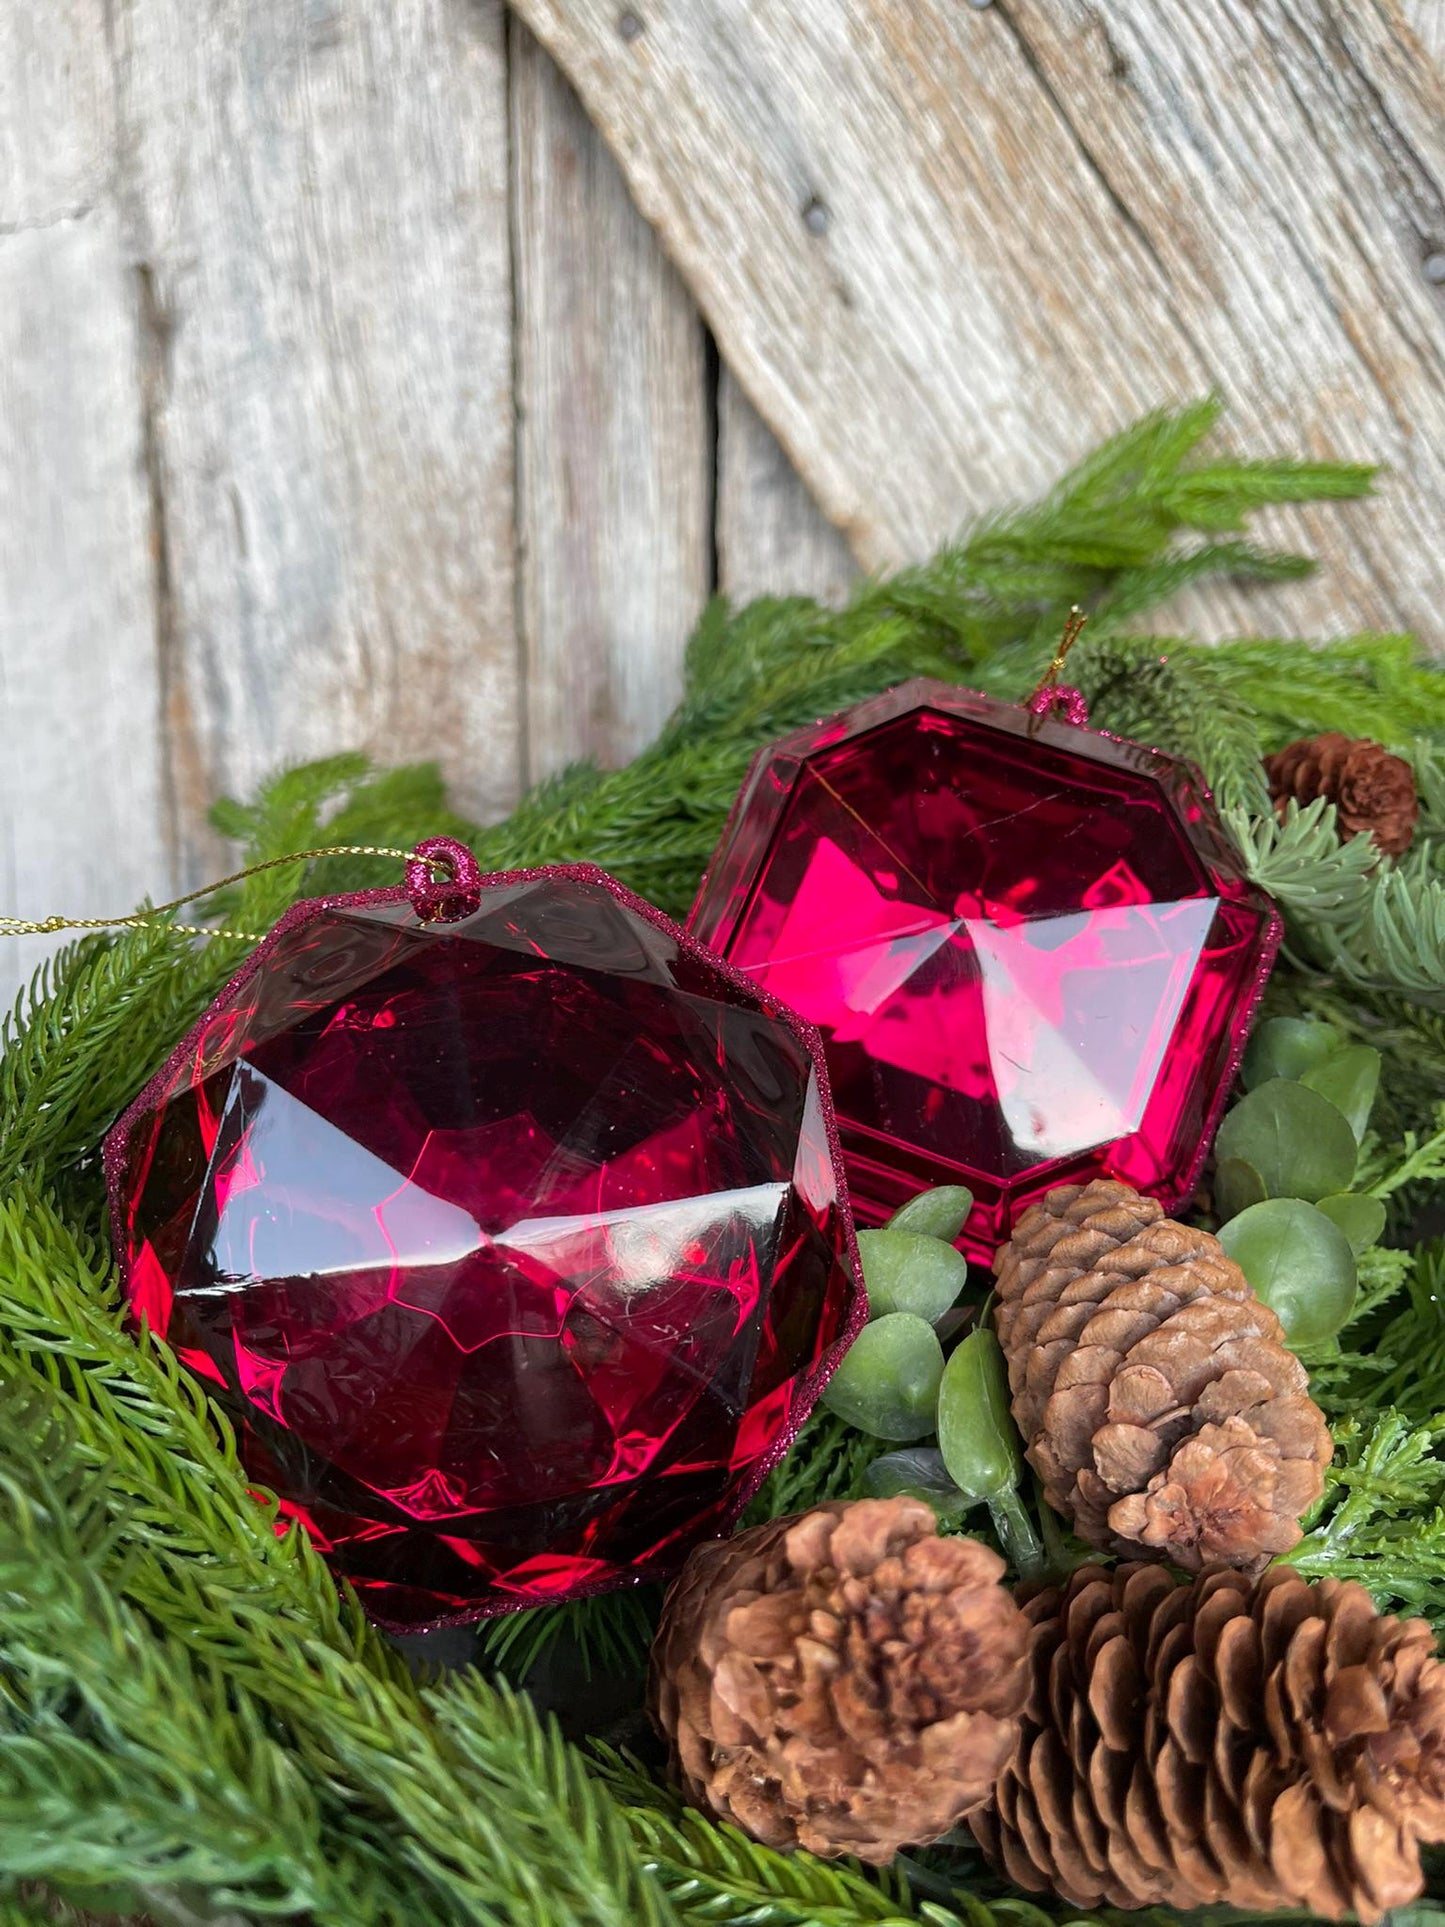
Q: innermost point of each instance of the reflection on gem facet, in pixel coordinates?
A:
(526, 1226)
(1028, 947)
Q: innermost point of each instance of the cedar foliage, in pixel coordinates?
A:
(195, 1725)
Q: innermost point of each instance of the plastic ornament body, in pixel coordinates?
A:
(1030, 947)
(507, 1225)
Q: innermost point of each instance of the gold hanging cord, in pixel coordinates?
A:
(145, 919)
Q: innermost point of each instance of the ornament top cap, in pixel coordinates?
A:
(447, 898)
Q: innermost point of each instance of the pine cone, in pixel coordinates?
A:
(1266, 1744)
(845, 1681)
(1373, 792)
(1156, 1397)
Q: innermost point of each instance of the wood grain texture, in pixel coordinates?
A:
(82, 805)
(318, 195)
(946, 248)
(772, 538)
(1427, 17)
(614, 439)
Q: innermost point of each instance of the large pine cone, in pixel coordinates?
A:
(1373, 792)
(1261, 1744)
(845, 1681)
(1157, 1399)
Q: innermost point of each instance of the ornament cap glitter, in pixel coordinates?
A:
(507, 1224)
(1030, 946)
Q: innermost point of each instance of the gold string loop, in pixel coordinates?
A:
(145, 919)
(1073, 625)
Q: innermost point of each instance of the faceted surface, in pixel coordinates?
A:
(514, 1244)
(1029, 947)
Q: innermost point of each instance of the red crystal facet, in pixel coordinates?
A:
(514, 1244)
(1030, 948)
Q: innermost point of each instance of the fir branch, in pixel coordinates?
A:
(1319, 882)
(715, 1873)
(122, 1760)
(97, 1021)
(1414, 1342)
(1414, 1161)
(203, 1563)
(610, 1635)
(1367, 685)
(1382, 1517)
(1135, 591)
(827, 1461)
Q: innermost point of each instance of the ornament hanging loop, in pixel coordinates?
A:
(453, 862)
(1051, 694)
(443, 880)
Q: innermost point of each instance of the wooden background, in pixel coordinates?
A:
(346, 397)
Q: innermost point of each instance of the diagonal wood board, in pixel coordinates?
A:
(946, 246)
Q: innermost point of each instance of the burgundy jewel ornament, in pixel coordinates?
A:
(1030, 947)
(506, 1223)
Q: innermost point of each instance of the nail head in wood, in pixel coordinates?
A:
(629, 25)
(1434, 267)
(817, 216)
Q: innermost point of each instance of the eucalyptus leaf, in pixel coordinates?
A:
(1300, 1143)
(1300, 1264)
(887, 1384)
(939, 1213)
(1287, 1047)
(918, 1470)
(1349, 1080)
(1237, 1185)
(1361, 1218)
(904, 1271)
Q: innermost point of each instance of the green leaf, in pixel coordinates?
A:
(977, 1436)
(1301, 1145)
(1237, 1185)
(888, 1382)
(919, 1471)
(939, 1213)
(1300, 1264)
(1349, 1079)
(904, 1271)
(1361, 1218)
(1287, 1047)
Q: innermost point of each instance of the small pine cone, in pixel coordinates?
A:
(1257, 1744)
(845, 1681)
(1373, 792)
(1157, 1399)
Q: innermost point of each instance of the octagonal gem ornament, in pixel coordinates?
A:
(507, 1225)
(1030, 947)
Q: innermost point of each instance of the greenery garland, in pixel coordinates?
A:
(194, 1726)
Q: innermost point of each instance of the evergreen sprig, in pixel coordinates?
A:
(193, 1548)
(194, 1720)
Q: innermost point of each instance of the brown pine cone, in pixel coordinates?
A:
(845, 1681)
(1259, 1744)
(1156, 1397)
(1373, 792)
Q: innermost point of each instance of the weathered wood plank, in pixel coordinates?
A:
(614, 439)
(772, 538)
(1427, 17)
(82, 804)
(947, 247)
(319, 198)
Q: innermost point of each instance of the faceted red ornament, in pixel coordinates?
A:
(1029, 946)
(506, 1223)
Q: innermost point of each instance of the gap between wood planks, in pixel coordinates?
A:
(300, 462)
(948, 247)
